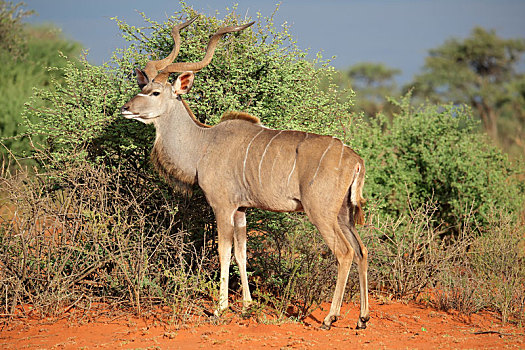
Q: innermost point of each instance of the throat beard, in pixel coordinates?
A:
(169, 171)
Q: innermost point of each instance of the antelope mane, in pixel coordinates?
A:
(232, 115)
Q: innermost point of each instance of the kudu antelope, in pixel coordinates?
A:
(241, 164)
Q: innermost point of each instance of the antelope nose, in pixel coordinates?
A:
(125, 109)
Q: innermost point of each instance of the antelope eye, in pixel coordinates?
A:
(156, 93)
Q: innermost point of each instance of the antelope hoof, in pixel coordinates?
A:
(247, 311)
(212, 317)
(325, 327)
(361, 322)
(327, 324)
(246, 315)
(218, 313)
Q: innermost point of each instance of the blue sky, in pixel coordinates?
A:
(398, 33)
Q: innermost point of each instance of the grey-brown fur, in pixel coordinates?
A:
(241, 164)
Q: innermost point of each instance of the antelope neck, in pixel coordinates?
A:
(179, 145)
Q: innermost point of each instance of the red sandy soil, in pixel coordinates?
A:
(393, 325)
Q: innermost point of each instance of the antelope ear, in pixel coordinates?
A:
(183, 83)
(142, 78)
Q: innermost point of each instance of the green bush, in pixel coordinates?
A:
(44, 50)
(434, 153)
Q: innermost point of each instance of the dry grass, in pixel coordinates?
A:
(85, 235)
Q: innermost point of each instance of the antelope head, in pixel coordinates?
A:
(157, 94)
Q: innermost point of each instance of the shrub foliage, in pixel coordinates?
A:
(434, 153)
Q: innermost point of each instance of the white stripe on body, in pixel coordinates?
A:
(293, 168)
(341, 156)
(294, 162)
(246, 157)
(264, 153)
(321, 160)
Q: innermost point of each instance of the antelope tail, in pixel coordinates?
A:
(356, 196)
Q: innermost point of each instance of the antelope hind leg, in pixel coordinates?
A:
(344, 254)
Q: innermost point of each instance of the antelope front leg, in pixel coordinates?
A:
(225, 238)
(239, 237)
